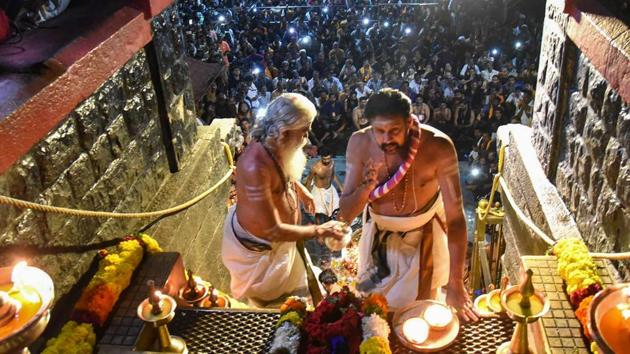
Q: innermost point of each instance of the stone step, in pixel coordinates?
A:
(197, 231)
(180, 188)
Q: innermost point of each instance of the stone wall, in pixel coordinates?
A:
(593, 173)
(175, 78)
(108, 154)
(582, 135)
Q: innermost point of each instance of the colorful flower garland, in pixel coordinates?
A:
(577, 269)
(375, 327)
(579, 272)
(287, 335)
(341, 323)
(334, 325)
(74, 339)
(99, 297)
(113, 276)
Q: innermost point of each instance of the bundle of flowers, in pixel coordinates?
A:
(341, 323)
(334, 325)
(577, 269)
(287, 335)
(374, 325)
(113, 276)
(74, 339)
(579, 272)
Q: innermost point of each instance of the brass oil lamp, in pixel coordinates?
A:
(26, 295)
(195, 291)
(524, 305)
(157, 311)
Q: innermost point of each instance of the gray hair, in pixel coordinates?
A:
(289, 111)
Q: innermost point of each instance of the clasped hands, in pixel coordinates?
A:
(333, 228)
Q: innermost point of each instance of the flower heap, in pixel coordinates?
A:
(374, 325)
(287, 335)
(99, 297)
(113, 276)
(341, 323)
(334, 326)
(577, 269)
(74, 339)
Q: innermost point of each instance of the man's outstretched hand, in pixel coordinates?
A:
(458, 298)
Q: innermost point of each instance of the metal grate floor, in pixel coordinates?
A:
(210, 331)
(220, 331)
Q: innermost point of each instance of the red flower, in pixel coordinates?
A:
(337, 315)
(577, 296)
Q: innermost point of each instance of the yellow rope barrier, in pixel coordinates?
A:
(22, 204)
(521, 215)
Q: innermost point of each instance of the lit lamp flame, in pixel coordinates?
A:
(18, 276)
(438, 316)
(416, 330)
(22, 277)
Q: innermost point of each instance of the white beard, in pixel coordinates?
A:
(294, 162)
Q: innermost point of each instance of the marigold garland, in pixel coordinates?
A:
(287, 335)
(292, 316)
(374, 324)
(112, 278)
(74, 338)
(375, 303)
(582, 315)
(100, 295)
(579, 272)
(577, 269)
(150, 244)
(293, 304)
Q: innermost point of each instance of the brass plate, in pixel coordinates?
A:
(481, 306)
(437, 340)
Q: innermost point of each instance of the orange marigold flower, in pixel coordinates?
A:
(375, 301)
(582, 314)
(293, 304)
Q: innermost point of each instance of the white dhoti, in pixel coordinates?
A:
(399, 241)
(260, 271)
(326, 200)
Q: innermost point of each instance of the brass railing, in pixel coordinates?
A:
(488, 246)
